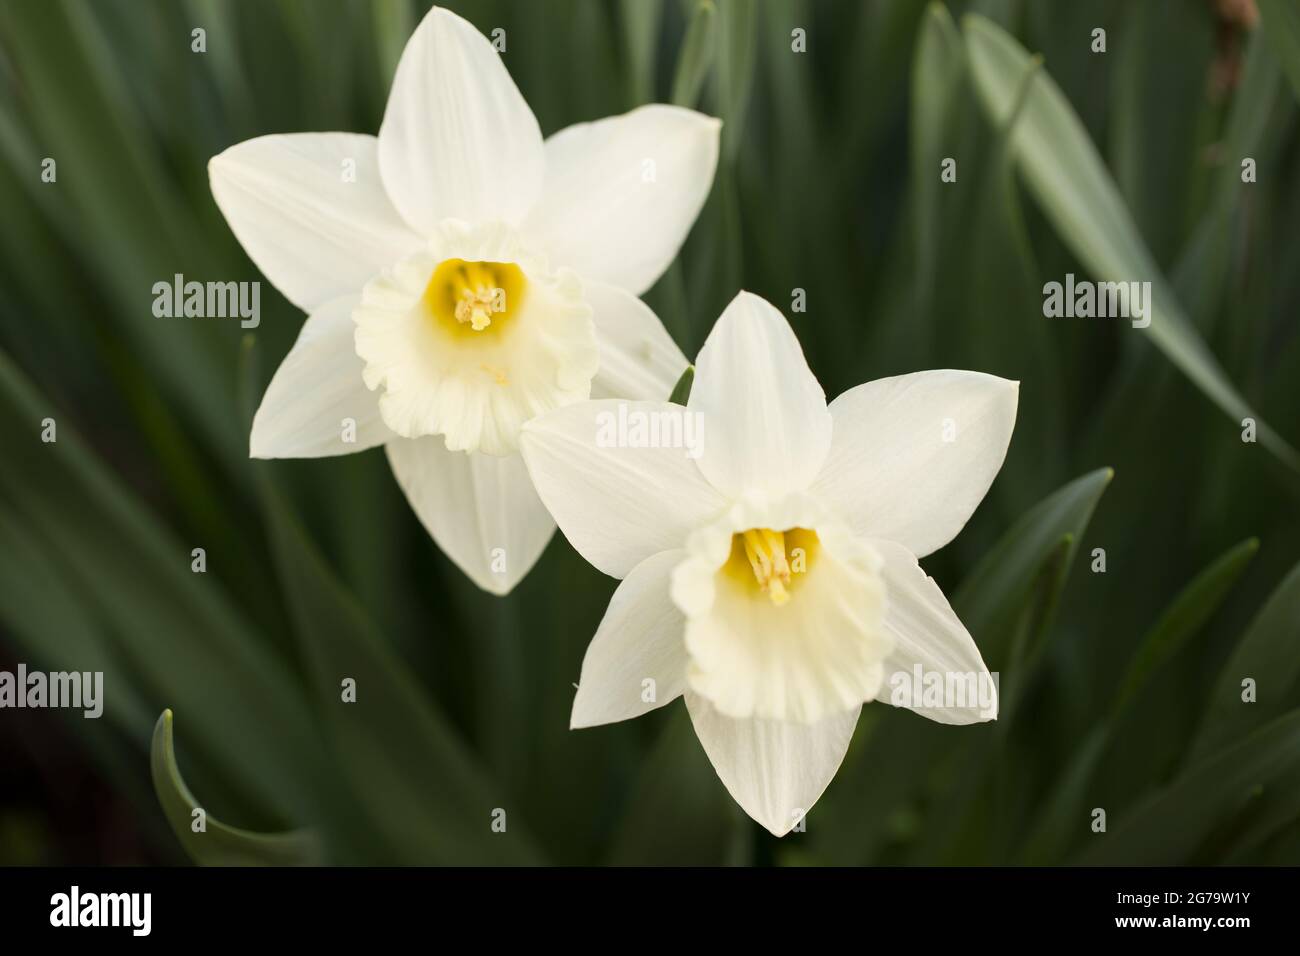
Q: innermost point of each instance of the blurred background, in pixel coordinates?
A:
(1122, 687)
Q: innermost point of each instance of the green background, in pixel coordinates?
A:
(1121, 690)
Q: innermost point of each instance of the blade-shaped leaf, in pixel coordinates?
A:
(206, 839)
(682, 390)
(127, 223)
(47, 619)
(394, 22)
(425, 795)
(737, 42)
(695, 58)
(407, 767)
(1063, 818)
(1061, 166)
(180, 635)
(1281, 29)
(991, 597)
(937, 69)
(1168, 827)
(1267, 654)
(1256, 127)
(1183, 619)
(676, 782)
(641, 19)
(1005, 604)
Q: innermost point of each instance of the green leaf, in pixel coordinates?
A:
(218, 844)
(176, 633)
(1269, 654)
(128, 225)
(737, 43)
(676, 782)
(1063, 819)
(1280, 26)
(394, 22)
(1183, 619)
(1153, 151)
(641, 19)
(1075, 191)
(972, 820)
(1000, 299)
(682, 390)
(1032, 614)
(696, 55)
(1167, 828)
(883, 42)
(992, 596)
(411, 773)
(409, 770)
(223, 56)
(1260, 827)
(864, 809)
(47, 623)
(1257, 125)
(1005, 603)
(48, 619)
(937, 70)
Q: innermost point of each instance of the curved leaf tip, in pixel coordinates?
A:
(208, 841)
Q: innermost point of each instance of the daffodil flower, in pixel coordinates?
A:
(461, 276)
(770, 574)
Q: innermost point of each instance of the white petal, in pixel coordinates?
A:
(621, 194)
(765, 413)
(311, 212)
(315, 391)
(913, 455)
(776, 771)
(617, 504)
(458, 141)
(638, 358)
(481, 510)
(928, 635)
(639, 639)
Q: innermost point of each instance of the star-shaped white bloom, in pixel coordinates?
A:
(769, 565)
(461, 276)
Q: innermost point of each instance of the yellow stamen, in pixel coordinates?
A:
(474, 297)
(765, 550)
(476, 307)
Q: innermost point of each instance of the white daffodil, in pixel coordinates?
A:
(461, 276)
(770, 568)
